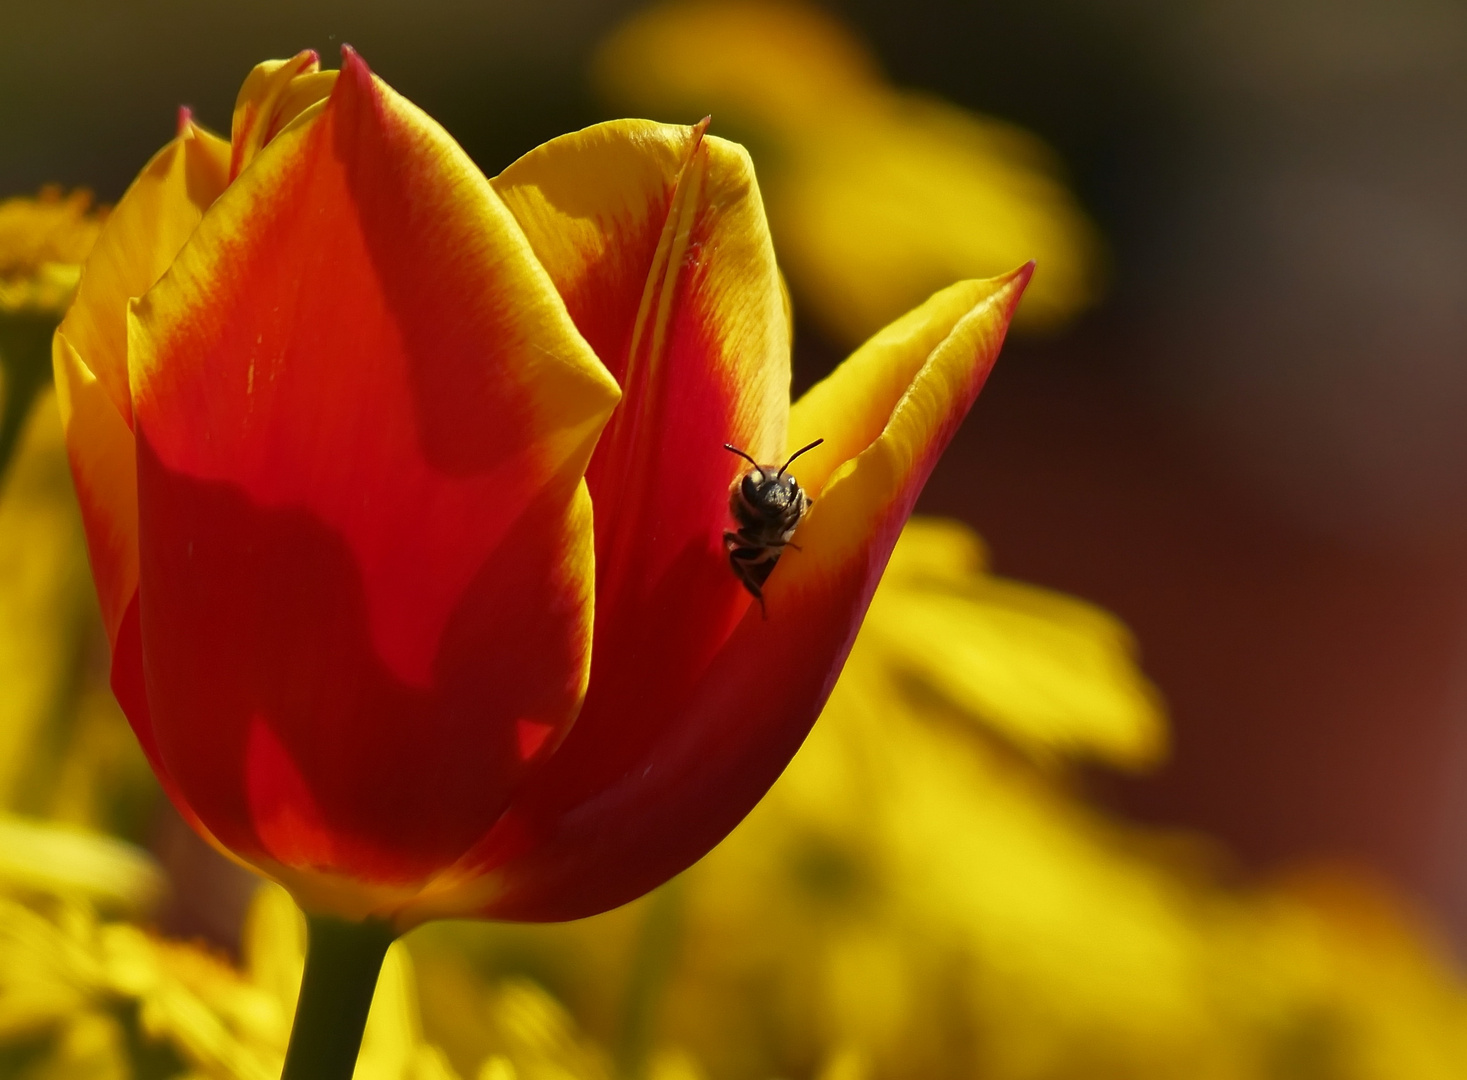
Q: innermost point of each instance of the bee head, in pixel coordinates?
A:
(769, 491)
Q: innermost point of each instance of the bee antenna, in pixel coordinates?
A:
(736, 450)
(797, 453)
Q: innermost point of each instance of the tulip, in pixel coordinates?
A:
(405, 494)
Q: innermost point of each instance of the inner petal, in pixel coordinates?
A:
(656, 237)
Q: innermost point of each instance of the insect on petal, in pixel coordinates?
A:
(656, 236)
(589, 833)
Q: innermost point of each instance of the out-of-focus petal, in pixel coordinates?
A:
(604, 821)
(876, 196)
(363, 417)
(775, 64)
(43, 241)
(940, 195)
(1050, 674)
(41, 566)
(273, 95)
(44, 856)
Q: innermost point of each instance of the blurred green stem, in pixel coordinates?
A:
(652, 965)
(343, 960)
(25, 353)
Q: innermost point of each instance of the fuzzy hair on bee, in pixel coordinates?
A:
(766, 504)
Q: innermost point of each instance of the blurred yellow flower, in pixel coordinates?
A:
(876, 196)
(43, 241)
(84, 997)
(43, 601)
(925, 894)
(1052, 675)
(66, 751)
(38, 856)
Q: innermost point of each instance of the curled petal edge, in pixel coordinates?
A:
(945, 349)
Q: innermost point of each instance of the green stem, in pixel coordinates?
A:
(343, 960)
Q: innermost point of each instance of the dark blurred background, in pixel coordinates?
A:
(1253, 451)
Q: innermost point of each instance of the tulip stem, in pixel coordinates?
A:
(343, 960)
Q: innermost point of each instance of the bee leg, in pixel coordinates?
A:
(738, 559)
(757, 592)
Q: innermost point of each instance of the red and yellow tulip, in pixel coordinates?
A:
(405, 491)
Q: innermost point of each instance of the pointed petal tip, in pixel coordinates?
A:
(1008, 289)
(699, 130)
(352, 62)
(185, 120)
(356, 77)
(1017, 280)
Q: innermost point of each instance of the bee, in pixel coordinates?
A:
(767, 505)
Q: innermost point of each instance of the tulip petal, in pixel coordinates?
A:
(630, 216)
(273, 95)
(864, 502)
(140, 239)
(603, 823)
(104, 471)
(853, 407)
(657, 238)
(363, 416)
(655, 235)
